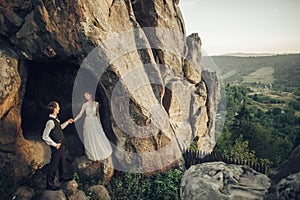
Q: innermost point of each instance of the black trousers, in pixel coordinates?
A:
(58, 163)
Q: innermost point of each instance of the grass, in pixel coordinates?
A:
(228, 74)
(263, 75)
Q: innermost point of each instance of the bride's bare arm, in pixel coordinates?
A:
(80, 113)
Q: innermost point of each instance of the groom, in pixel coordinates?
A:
(54, 137)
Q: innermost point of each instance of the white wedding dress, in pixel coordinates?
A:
(97, 146)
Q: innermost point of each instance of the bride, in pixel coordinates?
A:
(97, 146)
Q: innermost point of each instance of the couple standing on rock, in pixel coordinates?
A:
(97, 146)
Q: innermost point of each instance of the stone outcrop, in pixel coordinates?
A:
(70, 191)
(16, 153)
(289, 188)
(217, 180)
(9, 98)
(25, 193)
(100, 171)
(288, 167)
(155, 98)
(49, 194)
(285, 180)
(99, 192)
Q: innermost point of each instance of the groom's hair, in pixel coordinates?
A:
(52, 105)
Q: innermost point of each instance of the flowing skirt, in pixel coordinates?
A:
(97, 146)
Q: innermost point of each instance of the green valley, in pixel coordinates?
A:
(262, 107)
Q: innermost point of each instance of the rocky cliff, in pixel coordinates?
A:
(135, 57)
(218, 180)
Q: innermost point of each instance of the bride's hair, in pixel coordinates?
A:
(88, 92)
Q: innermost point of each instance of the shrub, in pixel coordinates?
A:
(137, 186)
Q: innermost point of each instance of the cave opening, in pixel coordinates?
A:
(46, 81)
(53, 81)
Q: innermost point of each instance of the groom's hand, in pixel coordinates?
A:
(58, 146)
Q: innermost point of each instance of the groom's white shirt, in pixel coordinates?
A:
(49, 126)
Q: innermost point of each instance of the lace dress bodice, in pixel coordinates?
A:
(90, 110)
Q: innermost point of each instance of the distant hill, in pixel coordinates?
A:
(239, 54)
(282, 70)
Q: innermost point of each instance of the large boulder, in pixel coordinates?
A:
(217, 180)
(9, 98)
(99, 192)
(24, 193)
(288, 167)
(50, 194)
(99, 171)
(289, 188)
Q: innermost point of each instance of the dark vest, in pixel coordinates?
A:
(56, 134)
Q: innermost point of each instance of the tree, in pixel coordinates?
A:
(243, 124)
(235, 148)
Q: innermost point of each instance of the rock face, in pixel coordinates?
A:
(146, 73)
(289, 187)
(218, 180)
(9, 97)
(99, 192)
(288, 167)
(24, 193)
(100, 171)
(285, 180)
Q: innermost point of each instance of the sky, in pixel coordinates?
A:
(246, 26)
